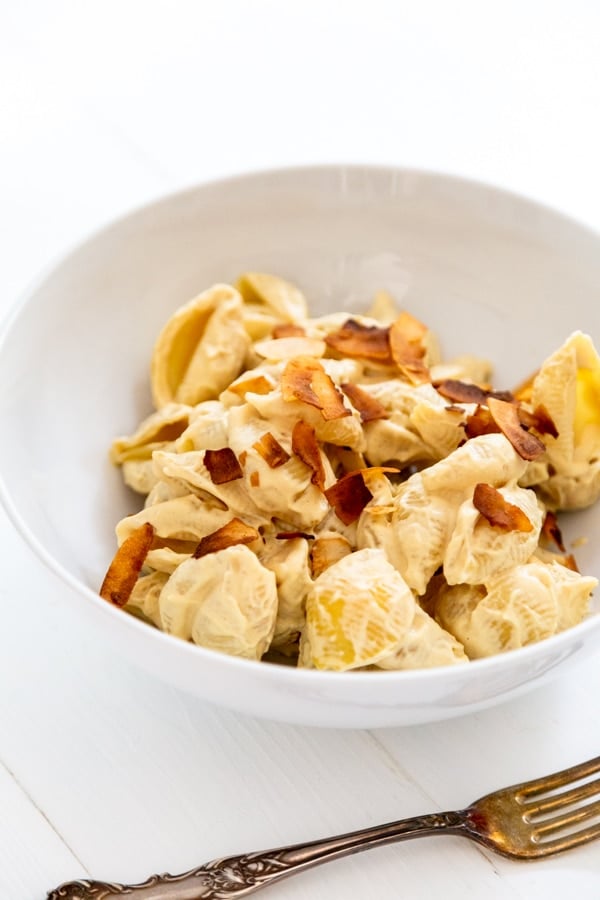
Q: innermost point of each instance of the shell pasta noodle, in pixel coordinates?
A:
(330, 492)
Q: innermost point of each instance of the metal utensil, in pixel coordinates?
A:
(526, 821)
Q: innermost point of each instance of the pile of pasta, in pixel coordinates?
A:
(328, 492)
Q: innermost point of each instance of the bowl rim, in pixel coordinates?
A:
(146, 632)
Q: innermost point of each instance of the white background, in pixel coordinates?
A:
(104, 106)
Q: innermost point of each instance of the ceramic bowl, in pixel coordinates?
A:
(490, 272)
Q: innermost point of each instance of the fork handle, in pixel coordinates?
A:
(238, 876)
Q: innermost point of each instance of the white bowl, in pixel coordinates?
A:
(491, 273)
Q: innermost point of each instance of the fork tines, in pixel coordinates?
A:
(576, 803)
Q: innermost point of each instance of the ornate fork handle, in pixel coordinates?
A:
(238, 876)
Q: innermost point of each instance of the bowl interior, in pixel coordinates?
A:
(492, 274)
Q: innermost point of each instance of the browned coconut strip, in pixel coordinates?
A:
(570, 562)
(235, 532)
(498, 511)
(349, 495)
(369, 408)
(506, 416)
(306, 448)
(465, 392)
(551, 531)
(305, 379)
(540, 419)
(370, 342)
(326, 551)
(480, 422)
(126, 565)
(222, 465)
(407, 349)
(271, 450)
(462, 391)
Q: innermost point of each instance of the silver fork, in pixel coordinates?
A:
(526, 821)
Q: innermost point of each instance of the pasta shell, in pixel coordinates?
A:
(139, 475)
(277, 297)
(200, 350)
(289, 561)
(182, 519)
(208, 428)
(346, 431)
(573, 592)
(333, 523)
(467, 368)
(420, 426)
(189, 468)
(143, 600)
(478, 551)
(387, 441)
(489, 458)
(568, 385)
(357, 612)
(413, 531)
(426, 645)
(524, 605)
(383, 308)
(160, 429)
(572, 491)
(179, 524)
(166, 490)
(284, 491)
(415, 528)
(226, 601)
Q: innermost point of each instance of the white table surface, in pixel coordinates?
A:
(103, 106)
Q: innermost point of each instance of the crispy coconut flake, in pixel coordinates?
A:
(349, 495)
(287, 329)
(306, 448)
(370, 342)
(126, 565)
(551, 531)
(369, 408)
(506, 416)
(235, 532)
(570, 562)
(326, 551)
(255, 479)
(462, 391)
(271, 450)
(407, 349)
(305, 379)
(498, 511)
(466, 392)
(412, 330)
(258, 384)
(222, 465)
(540, 419)
(480, 422)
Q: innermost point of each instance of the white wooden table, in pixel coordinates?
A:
(103, 106)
